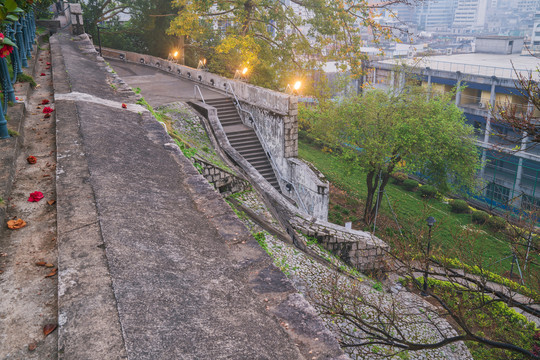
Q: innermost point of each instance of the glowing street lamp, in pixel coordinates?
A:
(293, 89)
(241, 74)
(202, 64)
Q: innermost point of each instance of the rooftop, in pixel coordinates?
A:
(475, 63)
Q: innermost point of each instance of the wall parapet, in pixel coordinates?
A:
(268, 99)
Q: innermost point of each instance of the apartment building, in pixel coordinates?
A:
(485, 81)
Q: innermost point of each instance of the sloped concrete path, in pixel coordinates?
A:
(153, 264)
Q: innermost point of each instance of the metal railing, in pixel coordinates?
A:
(63, 11)
(264, 145)
(196, 90)
(485, 70)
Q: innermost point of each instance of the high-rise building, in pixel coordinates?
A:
(435, 15)
(470, 15)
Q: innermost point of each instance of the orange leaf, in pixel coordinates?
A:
(41, 263)
(52, 273)
(49, 328)
(16, 224)
(49, 265)
(51, 202)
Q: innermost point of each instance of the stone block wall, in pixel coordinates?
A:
(223, 181)
(359, 249)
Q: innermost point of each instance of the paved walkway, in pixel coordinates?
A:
(157, 86)
(153, 264)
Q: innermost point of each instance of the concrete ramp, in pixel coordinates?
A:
(153, 264)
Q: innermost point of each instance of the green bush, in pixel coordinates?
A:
(428, 191)
(496, 223)
(459, 206)
(480, 217)
(399, 177)
(410, 184)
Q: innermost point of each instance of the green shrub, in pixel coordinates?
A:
(410, 184)
(480, 217)
(459, 206)
(399, 177)
(428, 191)
(496, 223)
(21, 77)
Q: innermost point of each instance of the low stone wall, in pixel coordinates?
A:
(359, 249)
(223, 181)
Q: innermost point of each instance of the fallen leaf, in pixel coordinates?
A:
(124, 106)
(49, 328)
(31, 159)
(51, 202)
(41, 263)
(49, 265)
(44, 102)
(32, 346)
(52, 273)
(35, 196)
(46, 175)
(48, 63)
(42, 74)
(16, 224)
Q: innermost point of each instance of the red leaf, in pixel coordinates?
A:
(47, 110)
(49, 328)
(31, 159)
(42, 74)
(44, 102)
(124, 106)
(35, 196)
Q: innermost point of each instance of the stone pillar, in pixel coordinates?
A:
(290, 129)
(77, 26)
(458, 90)
(487, 132)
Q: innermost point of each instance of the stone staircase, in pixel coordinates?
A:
(243, 138)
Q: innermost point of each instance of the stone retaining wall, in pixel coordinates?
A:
(359, 249)
(223, 181)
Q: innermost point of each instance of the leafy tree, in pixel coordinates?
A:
(271, 37)
(388, 132)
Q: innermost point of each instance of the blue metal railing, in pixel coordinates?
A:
(23, 34)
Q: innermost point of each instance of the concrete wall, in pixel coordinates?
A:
(499, 45)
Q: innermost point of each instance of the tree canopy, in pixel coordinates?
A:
(386, 132)
(279, 37)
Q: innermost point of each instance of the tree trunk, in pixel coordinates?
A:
(375, 194)
(371, 182)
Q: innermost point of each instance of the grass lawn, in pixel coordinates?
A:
(410, 208)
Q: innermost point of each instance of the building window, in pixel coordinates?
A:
(498, 193)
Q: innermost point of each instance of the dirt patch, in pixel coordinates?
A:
(28, 281)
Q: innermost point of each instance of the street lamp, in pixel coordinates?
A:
(430, 222)
(294, 88)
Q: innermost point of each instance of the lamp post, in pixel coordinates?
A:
(430, 222)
